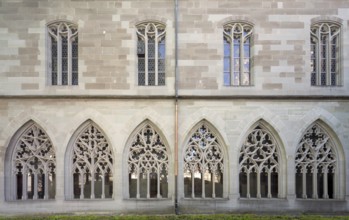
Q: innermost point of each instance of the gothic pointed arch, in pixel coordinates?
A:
(147, 157)
(205, 163)
(89, 162)
(318, 163)
(262, 163)
(30, 165)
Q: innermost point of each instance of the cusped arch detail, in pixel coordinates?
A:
(262, 153)
(89, 159)
(319, 162)
(147, 167)
(204, 154)
(30, 164)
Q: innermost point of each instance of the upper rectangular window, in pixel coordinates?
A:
(325, 54)
(237, 54)
(151, 54)
(62, 53)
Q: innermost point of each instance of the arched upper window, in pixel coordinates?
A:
(90, 161)
(259, 165)
(33, 165)
(316, 165)
(325, 54)
(237, 53)
(151, 53)
(62, 53)
(203, 164)
(148, 162)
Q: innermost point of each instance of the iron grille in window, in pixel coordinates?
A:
(325, 54)
(63, 53)
(151, 54)
(237, 58)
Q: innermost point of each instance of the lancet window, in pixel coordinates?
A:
(151, 54)
(316, 165)
(237, 54)
(63, 53)
(92, 165)
(259, 165)
(34, 165)
(203, 165)
(148, 165)
(325, 54)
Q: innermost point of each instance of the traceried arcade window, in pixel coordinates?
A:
(325, 54)
(203, 165)
(237, 54)
(63, 53)
(151, 54)
(34, 165)
(316, 164)
(148, 165)
(259, 165)
(92, 165)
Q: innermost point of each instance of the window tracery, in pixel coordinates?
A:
(151, 54)
(92, 165)
(63, 53)
(259, 165)
(316, 165)
(325, 54)
(148, 165)
(34, 165)
(237, 54)
(203, 165)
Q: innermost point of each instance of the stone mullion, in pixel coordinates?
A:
(59, 58)
(103, 185)
(156, 56)
(328, 60)
(148, 184)
(158, 184)
(325, 172)
(269, 184)
(315, 195)
(138, 177)
(81, 185)
(92, 170)
(213, 185)
(46, 185)
(248, 195)
(146, 58)
(304, 182)
(35, 193)
(24, 184)
(203, 183)
(69, 58)
(318, 60)
(192, 184)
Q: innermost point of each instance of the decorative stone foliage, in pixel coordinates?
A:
(259, 165)
(148, 164)
(325, 54)
(237, 55)
(203, 164)
(92, 164)
(63, 53)
(316, 165)
(151, 53)
(34, 165)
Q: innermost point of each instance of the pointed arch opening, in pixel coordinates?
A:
(261, 163)
(147, 159)
(317, 164)
(89, 160)
(30, 165)
(204, 163)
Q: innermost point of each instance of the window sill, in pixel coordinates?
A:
(87, 200)
(31, 201)
(262, 199)
(147, 200)
(320, 200)
(206, 199)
